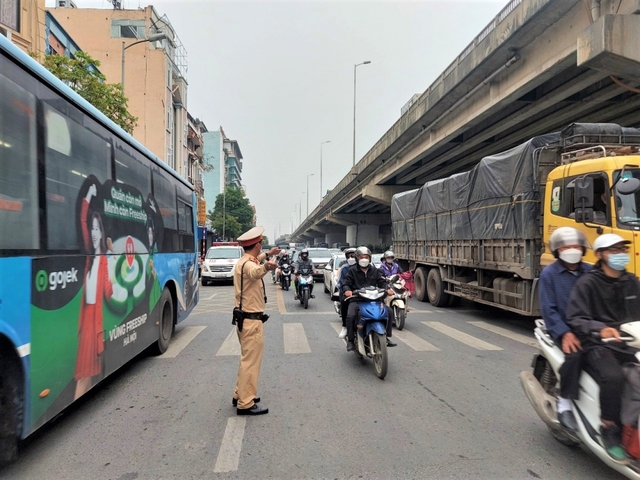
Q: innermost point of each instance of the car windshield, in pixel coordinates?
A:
(223, 253)
(338, 259)
(376, 258)
(323, 253)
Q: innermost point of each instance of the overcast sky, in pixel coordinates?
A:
(278, 77)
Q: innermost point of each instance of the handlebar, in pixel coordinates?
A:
(621, 339)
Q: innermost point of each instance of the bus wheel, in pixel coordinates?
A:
(421, 284)
(165, 323)
(435, 289)
(10, 408)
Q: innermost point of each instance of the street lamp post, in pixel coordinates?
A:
(300, 210)
(151, 38)
(328, 141)
(310, 175)
(354, 107)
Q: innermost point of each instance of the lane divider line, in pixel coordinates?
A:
(229, 454)
(231, 345)
(180, 340)
(295, 339)
(280, 300)
(461, 336)
(518, 337)
(337, 326)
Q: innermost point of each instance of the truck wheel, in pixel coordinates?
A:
(421, 284)
(435, 289)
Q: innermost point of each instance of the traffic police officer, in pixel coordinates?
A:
(248, 276)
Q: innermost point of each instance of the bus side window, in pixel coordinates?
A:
(132, 169)
(185, 227)
(18, 168)
(165, 194)
(72, 153)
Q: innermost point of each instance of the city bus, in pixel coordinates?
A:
(98, 254)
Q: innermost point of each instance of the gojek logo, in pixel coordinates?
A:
(55, 279)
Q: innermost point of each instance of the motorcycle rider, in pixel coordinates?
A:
(284, 258)
(344, 267)
(389, 266)
(363, 275)
(600, 302)
(568, 245)
(302, 263)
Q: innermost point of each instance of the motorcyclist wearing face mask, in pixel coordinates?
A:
(389, 266)
(302, 263)
(600, 302)
(344, 267)
(364, 274)
(568, 245)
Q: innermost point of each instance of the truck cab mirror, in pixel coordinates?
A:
(584, 215)
(583, 193)
(628, 186)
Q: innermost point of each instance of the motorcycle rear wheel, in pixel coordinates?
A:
(380, 357)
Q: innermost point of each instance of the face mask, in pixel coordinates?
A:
(618, 261)
(571, 255)
(390, 261)
(363, 262)
(351, 261)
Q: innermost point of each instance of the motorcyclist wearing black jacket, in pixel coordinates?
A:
(600, 302)
(362, 275)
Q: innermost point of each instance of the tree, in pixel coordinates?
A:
(235, 205)
(265, 241)
(81, 74)
(231, 227)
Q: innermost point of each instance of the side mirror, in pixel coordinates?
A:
(583, 193)
(628, 186)
(328, 267)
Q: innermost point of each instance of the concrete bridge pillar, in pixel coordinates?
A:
(317, 240)
(363, 235)
(332, 238)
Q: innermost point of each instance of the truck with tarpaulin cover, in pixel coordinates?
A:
(484, 234)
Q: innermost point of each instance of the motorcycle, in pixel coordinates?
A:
(542, 388)
(397, 302)
(285, 276)
(371, 321)
(305, 286)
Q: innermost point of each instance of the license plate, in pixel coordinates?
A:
(219, 275)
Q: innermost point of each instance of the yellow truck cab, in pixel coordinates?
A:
(596, 195)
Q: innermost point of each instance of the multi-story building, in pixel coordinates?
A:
(154, 73)
(22, 21)
(223, 165)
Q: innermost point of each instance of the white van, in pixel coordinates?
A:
(220, 261)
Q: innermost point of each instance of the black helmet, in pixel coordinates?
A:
(304, 253)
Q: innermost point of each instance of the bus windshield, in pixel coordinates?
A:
(223, 253)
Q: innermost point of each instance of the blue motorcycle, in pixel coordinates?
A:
(371, 321)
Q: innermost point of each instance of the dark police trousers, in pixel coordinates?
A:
(352, 314)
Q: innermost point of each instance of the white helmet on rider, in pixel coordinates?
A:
(389, 256)
(564, 236)
(361, 253)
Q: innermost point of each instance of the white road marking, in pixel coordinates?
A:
(411, 310)
(518, 337)
(310, 313)
(337, 326)
(181, 340)
(295, 340)
(461, 336)
(414, 341)
(229, 454)
(210, 297)
(231, 345)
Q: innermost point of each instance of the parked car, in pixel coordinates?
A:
(376, 259)
(335, 251)
(219, 263)
(331, 274)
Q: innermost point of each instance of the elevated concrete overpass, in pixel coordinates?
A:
(538, 66)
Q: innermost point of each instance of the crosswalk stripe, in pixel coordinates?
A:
(461, 336)
(229, 454)
(518, 337)
(180, 340)
(295, 340)
(230, 346)
(414, 341)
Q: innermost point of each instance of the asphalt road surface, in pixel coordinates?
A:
(451, 405)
